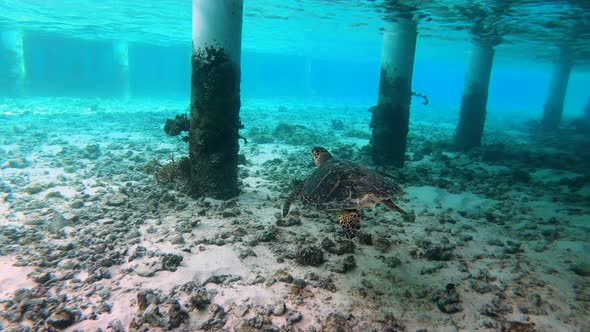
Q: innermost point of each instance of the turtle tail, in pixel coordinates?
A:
(297, 185)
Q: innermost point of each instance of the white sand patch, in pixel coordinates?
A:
(81, 140)
(9, 148)
(13, 277)
(545, 209)
(201, 265)
(5, 209)
(51, 149)
(552, 175)
(91, 187)
(42, 174)
(65, 191)
(219, 260)
(432, 197)
(124, 309)
(164, 146)
(261, 153)
(20, 217)
(574, 247)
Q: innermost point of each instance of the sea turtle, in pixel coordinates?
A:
(346, 187)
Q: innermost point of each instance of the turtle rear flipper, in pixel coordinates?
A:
(351, 223)
(390, 204)
(297, 185)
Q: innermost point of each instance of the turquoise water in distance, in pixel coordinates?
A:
(322, 49)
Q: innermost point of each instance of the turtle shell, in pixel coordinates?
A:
(344, 185)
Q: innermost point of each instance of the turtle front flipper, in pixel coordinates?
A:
(297, 186)
(350, 222)
(391, 205)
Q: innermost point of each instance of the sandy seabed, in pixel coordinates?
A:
(497, 238)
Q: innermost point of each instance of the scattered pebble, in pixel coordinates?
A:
(581, 269)
(170, 262)
(62, 318)
(293, 316)
(448, 300)
(310, 255)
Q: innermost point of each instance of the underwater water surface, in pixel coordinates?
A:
(98, 230)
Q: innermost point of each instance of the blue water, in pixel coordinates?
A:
(320, 51)
(58, 66)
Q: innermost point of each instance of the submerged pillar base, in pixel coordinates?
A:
(213, 136)
(553, 108)
(121, 57)
(391, 116)
(12, 49)
(473, 111)
(215, 98)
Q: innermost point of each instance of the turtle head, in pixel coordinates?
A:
(320, 155)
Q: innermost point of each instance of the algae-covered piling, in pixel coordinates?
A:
(558, 87)
(472, 116)
(215, 98)
(391, 116)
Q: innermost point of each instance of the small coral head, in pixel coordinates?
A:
(320, 155)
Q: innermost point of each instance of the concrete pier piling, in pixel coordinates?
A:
(121, 58)
(13, 55)
(215, 97)
(473, 111)
(553, 108)
(391, 116)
